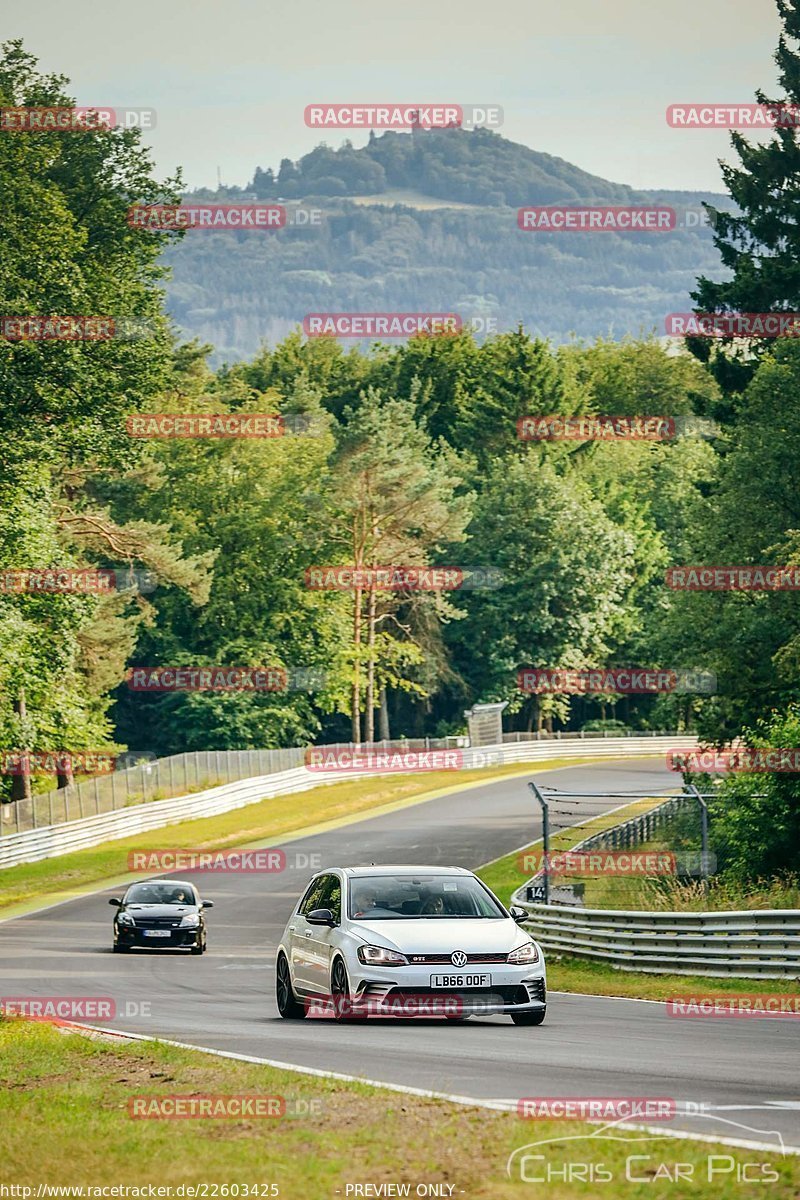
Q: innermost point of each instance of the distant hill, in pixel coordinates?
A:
(426, 221)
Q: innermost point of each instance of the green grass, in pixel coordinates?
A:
(64, 1113)
(271, 819)
(506, 874)
(665, 893)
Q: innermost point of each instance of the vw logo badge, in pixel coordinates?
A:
(458, 958)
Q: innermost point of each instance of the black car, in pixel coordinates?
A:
(161, 913)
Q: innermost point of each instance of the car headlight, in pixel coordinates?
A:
(190, 921)
(125, 919)
(524, 954)
(379, 956)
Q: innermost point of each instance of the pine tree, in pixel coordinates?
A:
(760, 244)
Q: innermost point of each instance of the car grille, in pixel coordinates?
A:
(502, 994)
(157, 922)
(445, 958)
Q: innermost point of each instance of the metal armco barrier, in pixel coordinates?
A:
(48, 841)
(745, 945)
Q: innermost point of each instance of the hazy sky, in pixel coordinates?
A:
(587, 80)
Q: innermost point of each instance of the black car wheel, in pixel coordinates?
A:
(343, 1003)
(200, 948)
(118, 948)
(529, 1018)
(288, 1006)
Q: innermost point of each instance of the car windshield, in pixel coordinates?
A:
(410, 897)
(159, 893)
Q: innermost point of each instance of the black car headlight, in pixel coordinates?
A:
(379, 956)
(126, 920)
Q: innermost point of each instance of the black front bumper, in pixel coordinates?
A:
(140, 937)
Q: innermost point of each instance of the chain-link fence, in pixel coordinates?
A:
(182, 774)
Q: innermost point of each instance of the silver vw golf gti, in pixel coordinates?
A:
(407, 941)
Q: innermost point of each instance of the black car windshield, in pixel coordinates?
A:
(160, 893)
(408, 897)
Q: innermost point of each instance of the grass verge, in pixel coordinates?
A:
(278, 818)
(506, 874)
(64, 1112)
(666, 893)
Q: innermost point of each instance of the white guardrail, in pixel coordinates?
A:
(48, 841)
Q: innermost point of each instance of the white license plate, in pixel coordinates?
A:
(460, 981)
(157, 932)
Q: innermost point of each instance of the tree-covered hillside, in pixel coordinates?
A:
(434, 228)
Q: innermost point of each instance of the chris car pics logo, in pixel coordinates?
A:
(620, 1153)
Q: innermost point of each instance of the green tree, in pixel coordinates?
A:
(400, 498)
(755, 820)
(68, 250)
(760, 244)
(751, 639)
(566, 570)
(251, 507)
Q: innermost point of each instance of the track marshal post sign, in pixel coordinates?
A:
(485, 724)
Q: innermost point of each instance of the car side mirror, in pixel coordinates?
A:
(320, 916)
(207, 904)
(115, 901)
(519, 914)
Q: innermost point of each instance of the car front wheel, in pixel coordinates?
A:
(529, 1018)
(343, 1009)
(288, 1006)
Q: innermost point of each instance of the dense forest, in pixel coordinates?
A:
(406, 454)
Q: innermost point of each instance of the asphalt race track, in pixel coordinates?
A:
(746, 1070)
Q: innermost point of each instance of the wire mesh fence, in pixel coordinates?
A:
(197, 770)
